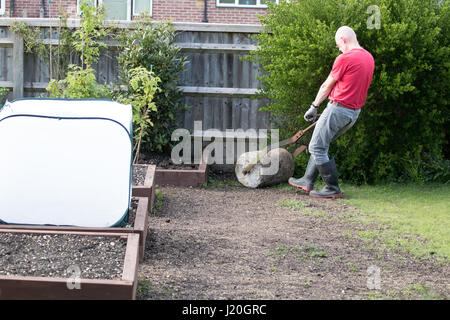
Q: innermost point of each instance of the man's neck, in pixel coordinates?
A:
(353, 46)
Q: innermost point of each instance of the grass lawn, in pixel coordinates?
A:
(417, 217)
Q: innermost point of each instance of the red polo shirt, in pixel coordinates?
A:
(353, 72)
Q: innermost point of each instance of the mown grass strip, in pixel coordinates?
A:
(418, 216)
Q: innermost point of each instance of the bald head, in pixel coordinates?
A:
(346, 39)
(346, 33)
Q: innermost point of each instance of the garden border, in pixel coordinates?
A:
(148, 188)
(140, 226)
(183, 177)
(26, 287)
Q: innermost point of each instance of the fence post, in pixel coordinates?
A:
(18, 66)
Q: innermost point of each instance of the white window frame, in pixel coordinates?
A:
(237, 5)
(138, 14)
(2, 6)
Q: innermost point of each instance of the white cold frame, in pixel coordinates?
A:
(142, 5)
(244, 3)
(2, 6)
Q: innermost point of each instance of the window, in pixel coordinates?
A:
(120, 9)
(245, 3)
(141, 6)
(117, 9)
(2, 6)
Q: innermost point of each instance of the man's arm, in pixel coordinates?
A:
(324, 91)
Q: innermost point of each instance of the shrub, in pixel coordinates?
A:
(79, 84)
(151, 45)
(142, 89)
(3, 93)
(88, 37)
(406, 107)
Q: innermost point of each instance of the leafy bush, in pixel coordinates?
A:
(407, 105)
(151, 45)
(3, 93)
(79, 84)
(87, 37)
(143, 86)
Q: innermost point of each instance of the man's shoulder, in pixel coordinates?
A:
(361, 54)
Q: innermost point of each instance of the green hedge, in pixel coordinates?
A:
(402, 131)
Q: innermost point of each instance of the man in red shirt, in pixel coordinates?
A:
(346, 88)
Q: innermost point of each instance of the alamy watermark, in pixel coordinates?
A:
(224, 145)
(374, 21)
(373, 278)
(74, 281)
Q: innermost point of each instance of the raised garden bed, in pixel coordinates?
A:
(141, 205)
(137, 223)
(45, 264)
(167, 173)
(144, 182)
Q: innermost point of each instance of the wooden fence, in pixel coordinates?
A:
(217, 84)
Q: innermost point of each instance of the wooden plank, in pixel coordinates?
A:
(131, 260)
(188, 121)
(179, 26)
(61, 232)
(141, 224)
(6, 42)
(39, 288)
(18, 66)
(90, 230)
(7, 84)
(245, 114)
(207, 106)
(219, 92)
(216, 48)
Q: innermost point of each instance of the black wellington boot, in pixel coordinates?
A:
(329, 175)
(307, 181)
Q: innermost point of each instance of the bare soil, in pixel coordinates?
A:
(226, 241)
(164, 161)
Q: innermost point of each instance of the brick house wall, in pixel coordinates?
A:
(175, 10)
(32, 8)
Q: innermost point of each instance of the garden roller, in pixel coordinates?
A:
(271, 165)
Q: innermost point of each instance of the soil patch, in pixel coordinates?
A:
(139, 173)
(226, 241)
(61, 256)
(164, 161)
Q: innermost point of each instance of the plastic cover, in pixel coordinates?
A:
(65, 162)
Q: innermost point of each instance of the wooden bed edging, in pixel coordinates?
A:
(48, 288)
(148, 189)
(183, 177)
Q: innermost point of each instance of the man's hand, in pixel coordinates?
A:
(311, 114)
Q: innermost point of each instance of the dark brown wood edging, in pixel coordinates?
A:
(183, 177)
(140, 226)
(49, 288)
(148, 189)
